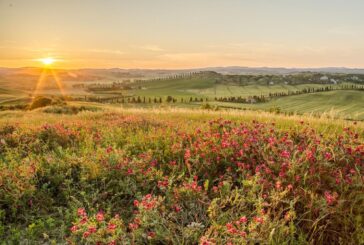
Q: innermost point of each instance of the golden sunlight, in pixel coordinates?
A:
(47, 61)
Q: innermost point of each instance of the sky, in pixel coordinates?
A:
(182, 33)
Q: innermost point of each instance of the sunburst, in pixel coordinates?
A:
(46, 71)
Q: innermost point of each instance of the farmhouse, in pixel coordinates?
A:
(324, 78)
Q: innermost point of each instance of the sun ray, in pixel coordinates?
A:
(39, 83)
(58, 82)
(47, 71)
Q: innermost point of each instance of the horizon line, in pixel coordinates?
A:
(191, 68)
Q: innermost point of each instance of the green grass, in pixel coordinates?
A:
(207, 87)
(176, 87)
(222, 90)
(345, 104)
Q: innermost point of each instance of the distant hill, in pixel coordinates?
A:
(281, 70)
(120, 73)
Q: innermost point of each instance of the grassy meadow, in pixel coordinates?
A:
(335, 104)
(179, 176)
(164, 161)
(20, 89)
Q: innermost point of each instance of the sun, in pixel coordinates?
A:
(47, 61)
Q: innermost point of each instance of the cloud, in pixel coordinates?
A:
(106, 51)
(153, 48)
(206, 58)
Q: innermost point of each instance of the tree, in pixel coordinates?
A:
(169, 99)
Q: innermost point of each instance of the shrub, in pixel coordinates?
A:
(39, 102)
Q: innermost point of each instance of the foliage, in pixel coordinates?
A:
(124, 178)
(41, 101)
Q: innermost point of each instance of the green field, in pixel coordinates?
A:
(207, 86)
(344, 104)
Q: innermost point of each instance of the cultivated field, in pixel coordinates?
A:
(334, 104)
(334, 95)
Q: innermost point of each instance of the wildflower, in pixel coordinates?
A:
(330, 198)
(133, 226)
(81, 212)
(177, 208)
(278, 185)
(83, 220)
(259, 220)
(243, 219)
(150, 234)
(187, 154)
(74, 228)
(100, 216)
(111, 227)
(285, 154)
(328, 155)
(229, 226)
(86, 234)
(109, 150)
(163, 183)
(92, 229)
(287, 216)
(136, 203)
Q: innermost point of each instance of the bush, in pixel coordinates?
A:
(69, 110)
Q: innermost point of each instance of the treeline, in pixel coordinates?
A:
(140, 99)
(291, 79)
(105, 86)
(188, 75)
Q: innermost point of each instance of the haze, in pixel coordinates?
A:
(182, 34)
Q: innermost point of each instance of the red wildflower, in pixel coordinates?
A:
(177, 208)
(330, 198)
(259, 220)
(74, 228)
(151, 234)
(133, 226)
(100, 216)
(81, 212)
(187, 154)
(83, 220)
(92, 229)
(109, 149)
(328, 155)
(243, 219)
(285, 154)
(111, 227)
